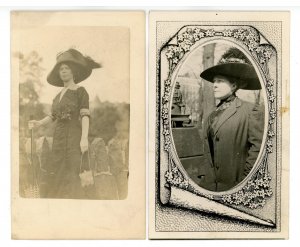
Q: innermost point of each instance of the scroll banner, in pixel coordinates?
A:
(186, 199)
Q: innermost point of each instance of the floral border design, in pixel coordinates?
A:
(175, 177)
(257, 189)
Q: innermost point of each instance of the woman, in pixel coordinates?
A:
(70, 110)
(233, 132)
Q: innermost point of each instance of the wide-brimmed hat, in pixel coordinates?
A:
(234, 64)
(82, 64)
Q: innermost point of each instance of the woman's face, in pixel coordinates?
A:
(223, 88)
(65, 73)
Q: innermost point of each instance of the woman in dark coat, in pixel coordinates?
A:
(233, 132)
(70, 110)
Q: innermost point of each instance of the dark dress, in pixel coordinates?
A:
(66, 152)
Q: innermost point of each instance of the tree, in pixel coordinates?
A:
(30, 72)
(207, 101)
(109, 120)
(103, 119)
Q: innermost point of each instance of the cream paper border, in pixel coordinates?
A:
(244, 16)
(87, 219)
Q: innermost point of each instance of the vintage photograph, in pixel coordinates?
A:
(219, 94)
(217, 116)
(76, 88)
(74, 124)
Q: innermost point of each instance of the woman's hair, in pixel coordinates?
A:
(73, 68)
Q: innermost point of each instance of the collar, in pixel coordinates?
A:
(225, 103)
(71, 87)
(230, 98)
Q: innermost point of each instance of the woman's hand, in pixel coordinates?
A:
(84, 144)
(33, 124)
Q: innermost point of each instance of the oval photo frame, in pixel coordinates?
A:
(183, 154)
(188, 118)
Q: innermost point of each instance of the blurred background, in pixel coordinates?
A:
(108, 88)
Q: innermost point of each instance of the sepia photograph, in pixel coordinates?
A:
(73, 89)
(218, 88)
(74, 125)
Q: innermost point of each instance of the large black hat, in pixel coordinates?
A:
(82, 64)
(234, 64)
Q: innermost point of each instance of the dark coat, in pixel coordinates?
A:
(237, 140)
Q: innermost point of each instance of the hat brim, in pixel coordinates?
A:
(244, 73)
(82, 72)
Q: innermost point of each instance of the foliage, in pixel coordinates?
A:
(108, 120)
(30, 72)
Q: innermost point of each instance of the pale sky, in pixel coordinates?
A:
(107, 45)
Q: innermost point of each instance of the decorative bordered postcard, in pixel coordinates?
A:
(218, 125)
(78, 124)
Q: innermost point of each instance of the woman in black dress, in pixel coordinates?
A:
(70, 110)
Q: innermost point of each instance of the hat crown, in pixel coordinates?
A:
(71, 55)
(233, 55)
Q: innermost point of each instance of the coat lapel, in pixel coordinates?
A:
(228, 113)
